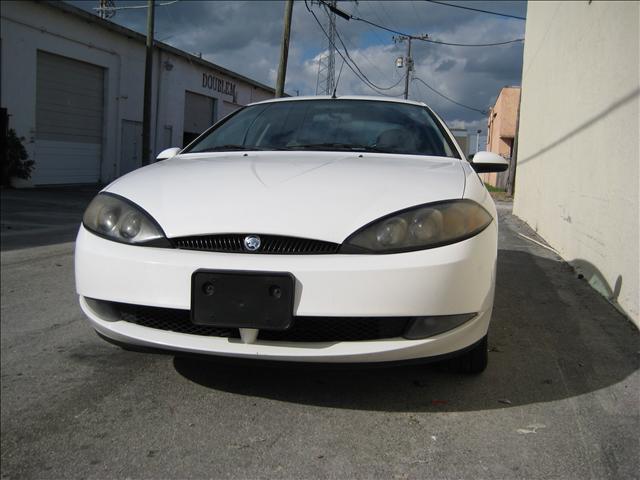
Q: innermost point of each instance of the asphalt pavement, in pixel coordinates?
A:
(45, 216)
(560, 398)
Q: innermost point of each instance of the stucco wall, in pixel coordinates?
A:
(507, 108)
(503, 121)
(577, 174)
(501, 130)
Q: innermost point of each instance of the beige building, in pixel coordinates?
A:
(578, 153)
(501, 131)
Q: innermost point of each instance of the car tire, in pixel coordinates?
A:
(472, 361)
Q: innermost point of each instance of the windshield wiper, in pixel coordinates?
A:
(335, 146)
(233, 146)
(230, 146)
(350, 147)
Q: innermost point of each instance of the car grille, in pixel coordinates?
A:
(170, 319)
(304, 329)
(270, 244)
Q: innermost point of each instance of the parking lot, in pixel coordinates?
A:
(559, 398)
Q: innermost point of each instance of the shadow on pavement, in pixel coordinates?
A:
(42, 216)
(552, 337)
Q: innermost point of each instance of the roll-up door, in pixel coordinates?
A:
(198, 115)
(69, 120)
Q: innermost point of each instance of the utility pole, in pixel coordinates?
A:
(478, 140)
(409, 68)
(408, 61)
(284, 49)
(148, 72)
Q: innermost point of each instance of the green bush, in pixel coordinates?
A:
(15, 161)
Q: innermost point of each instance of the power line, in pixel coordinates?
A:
(371, 6)
(476, 9)
(359, 70)
(132, 7)
(438, 42)
(331, 44)
(365, 80)
(387, 15)
(483, 112)
(495, 44)
(330, 78)
(428, 40)
(362, 77)
(415, 10)
(370, 62)
(375, 12)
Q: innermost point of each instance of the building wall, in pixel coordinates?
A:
(501, 130)
(26, 27)
(578, 156)
(506, 113)
(462, 137)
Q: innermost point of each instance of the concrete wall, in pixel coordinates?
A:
(26, 27)
(577, 173)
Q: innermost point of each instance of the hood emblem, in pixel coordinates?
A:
(252, 243)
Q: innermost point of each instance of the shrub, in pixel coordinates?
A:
(15, 161)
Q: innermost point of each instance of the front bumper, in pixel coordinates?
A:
(449, 280)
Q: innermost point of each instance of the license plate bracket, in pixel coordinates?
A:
(232, 299)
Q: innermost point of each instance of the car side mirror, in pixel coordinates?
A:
(488, 162)
(168, 153)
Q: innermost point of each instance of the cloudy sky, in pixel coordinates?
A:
(244, 36)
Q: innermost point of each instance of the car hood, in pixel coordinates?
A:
(318, 195)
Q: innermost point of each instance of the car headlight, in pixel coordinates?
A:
(118, 219)
(419, 228)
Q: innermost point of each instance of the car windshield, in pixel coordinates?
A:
(329, 125)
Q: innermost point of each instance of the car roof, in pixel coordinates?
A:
(343, 97)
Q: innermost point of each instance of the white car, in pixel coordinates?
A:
(307, 229)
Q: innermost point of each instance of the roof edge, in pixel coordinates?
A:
(114, 27)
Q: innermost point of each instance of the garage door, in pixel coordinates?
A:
(198, 115)
(69, 119)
